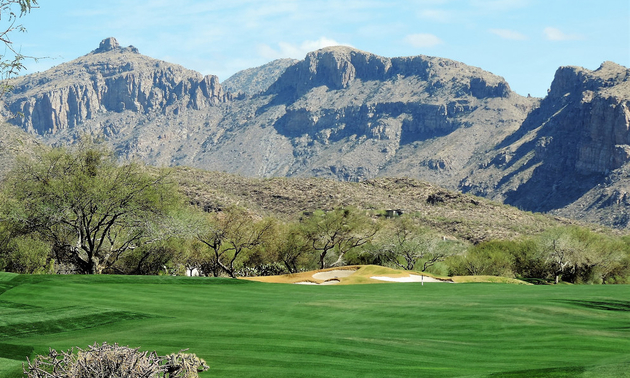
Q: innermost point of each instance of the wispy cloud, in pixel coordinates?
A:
(499, 5)
(438, 15)
(289, 50)
(554, 34)
(508, 34)
(423, 40)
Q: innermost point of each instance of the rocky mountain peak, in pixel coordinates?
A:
(110, 79)
(338, 67)
(111, 44)
(575, 80)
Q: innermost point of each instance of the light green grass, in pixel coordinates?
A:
(251, 329)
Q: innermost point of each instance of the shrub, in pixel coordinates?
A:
(113, 361)
(487, 259)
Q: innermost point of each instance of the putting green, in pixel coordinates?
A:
(253, 329)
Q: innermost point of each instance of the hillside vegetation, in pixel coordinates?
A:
(450, 213)
(80, 211)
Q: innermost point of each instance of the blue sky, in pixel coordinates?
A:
(524, 41)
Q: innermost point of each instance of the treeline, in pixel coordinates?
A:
(80, 211)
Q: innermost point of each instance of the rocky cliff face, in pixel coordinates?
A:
(351, 115)
(365, 114)
(586, 118)
(337, 67)
(568, 146)
(110, 79)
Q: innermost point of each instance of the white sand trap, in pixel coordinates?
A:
(329, 282)
(337, 273)
(411, 278)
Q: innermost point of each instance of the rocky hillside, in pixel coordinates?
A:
(571, 155)
(110, 79)
(452, 214)
(351, 115)
(256, 80)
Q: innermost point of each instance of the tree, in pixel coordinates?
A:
(340, 230)
(11, 63)
(562, 251)
(232, 233)
(410, 244)
(89, 208)
(291, 247)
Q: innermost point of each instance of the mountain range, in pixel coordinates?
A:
(351, 115)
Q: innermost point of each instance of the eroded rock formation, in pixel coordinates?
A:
(110, 79)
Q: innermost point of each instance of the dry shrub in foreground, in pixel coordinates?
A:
(114, 361)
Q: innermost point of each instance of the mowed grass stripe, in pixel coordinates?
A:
(67, 324)
(274, 330)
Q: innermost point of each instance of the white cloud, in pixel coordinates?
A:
(438, 15)
(423, 40)
(289, 50)
(554, 34)
(508, 34)
(499, 5)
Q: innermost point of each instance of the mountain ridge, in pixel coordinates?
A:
(351, 115)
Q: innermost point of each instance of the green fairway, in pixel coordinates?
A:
(252, 329)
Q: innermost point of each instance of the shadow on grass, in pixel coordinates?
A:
(15, 352)
(601, 305)
(117, 279)
(563, 372)
(74, 323)
(20, 306)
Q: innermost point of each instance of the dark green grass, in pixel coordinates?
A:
(249, 329)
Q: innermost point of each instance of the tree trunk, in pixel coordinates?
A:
(339, 261)
(322, 256)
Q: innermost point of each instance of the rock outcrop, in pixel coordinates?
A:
(336, 67)
(256, 80)
(110, 79)
(586, 119)
(578, 136)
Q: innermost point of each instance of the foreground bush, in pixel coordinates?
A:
(113, 361)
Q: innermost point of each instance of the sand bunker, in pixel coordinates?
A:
(411, 278)
(329, 282)
(337, 273)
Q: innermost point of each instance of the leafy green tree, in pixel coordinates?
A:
(561, 251)
(291, 248)
(340, 230)
(88, 207)
(231, 234)
(26, 254)
(488, 258)
(528, 259)
(577, 254)
(408, 244)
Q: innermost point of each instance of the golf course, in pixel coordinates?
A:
(260, 329)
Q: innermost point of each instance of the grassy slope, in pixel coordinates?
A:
(250, 329)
